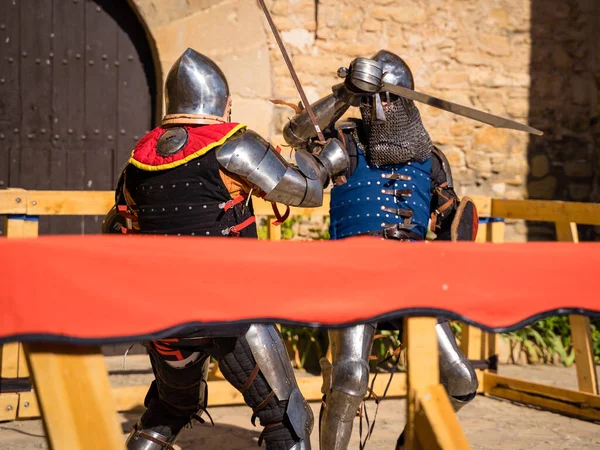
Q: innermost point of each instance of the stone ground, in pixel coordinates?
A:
(488, 423)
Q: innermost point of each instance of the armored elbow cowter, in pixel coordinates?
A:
(300, 129)
(254, 159)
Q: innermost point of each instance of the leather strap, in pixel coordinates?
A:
(250, 379)
(397, 192)
(262, 404)
(396, 176)
(231, 203)
(235, 230)
(399, 212)
(280, 218)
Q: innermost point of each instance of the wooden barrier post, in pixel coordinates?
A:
(13, 364)
(431, 421)
(581, 332)
(75, 397)
(274, 231)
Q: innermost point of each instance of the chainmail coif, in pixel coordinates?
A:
(400, 139)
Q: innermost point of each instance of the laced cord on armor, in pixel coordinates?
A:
(400, 139)
(378, 399)
(125, 355)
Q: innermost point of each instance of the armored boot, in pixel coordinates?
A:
(183, 381)
(456, 373)
(347, 388)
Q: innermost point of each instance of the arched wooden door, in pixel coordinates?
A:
(77, 90)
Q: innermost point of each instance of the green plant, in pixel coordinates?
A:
(304, 343)
(546, 341)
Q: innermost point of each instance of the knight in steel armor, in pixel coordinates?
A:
(195, 176)
(398, 185)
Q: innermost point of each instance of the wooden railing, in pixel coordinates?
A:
(22, 209)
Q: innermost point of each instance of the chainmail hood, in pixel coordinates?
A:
(400, 139)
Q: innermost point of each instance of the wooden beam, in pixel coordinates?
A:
(274, 231)
(9, 404)
(75, 397)
(131, 398)
(70, 203)
(581, 333)
(565, 401)
(9, 360)
(20, 201)
(472, 342)
(547, 211)
(566, 232)
(436, 423)
(28, 406)
(423, 368)
(22, 369)
(13, 201)
(484, 209)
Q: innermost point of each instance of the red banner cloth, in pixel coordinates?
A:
(115, 288)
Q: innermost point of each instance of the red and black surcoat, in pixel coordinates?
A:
(188, 193)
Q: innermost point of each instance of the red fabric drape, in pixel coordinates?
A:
(103, 287)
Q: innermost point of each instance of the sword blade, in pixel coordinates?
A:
(490, 119)
(290, 67)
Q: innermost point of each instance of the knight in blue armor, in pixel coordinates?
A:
(399, 186)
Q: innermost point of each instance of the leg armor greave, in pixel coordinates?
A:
(348, 385)
(259, 367)
(178, 394)
(456, 373)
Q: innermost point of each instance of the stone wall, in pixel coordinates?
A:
(531, 60)
(230, 32)
(565, 42)
(475, 53)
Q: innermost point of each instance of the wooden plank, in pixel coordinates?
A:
(131, 398)
(13, 201)
(274, 231)
(484, 210)
(436, 423)
(566, 401)
(9, 360)
(566, 232)
(70, 202)
(22, 369)
(471, 342)
(13, 228)
(75, 397)
(221, 393)
(423, 367)
(580, 327)
(28, 406)
(490, 347)
(547, 211)
(9, 404)
(496, 232)
(584, 353)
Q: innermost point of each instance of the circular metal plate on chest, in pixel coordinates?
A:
(307, 164)
(172, 141)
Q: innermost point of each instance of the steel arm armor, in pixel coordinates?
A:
(299, 130)
(251, 157)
